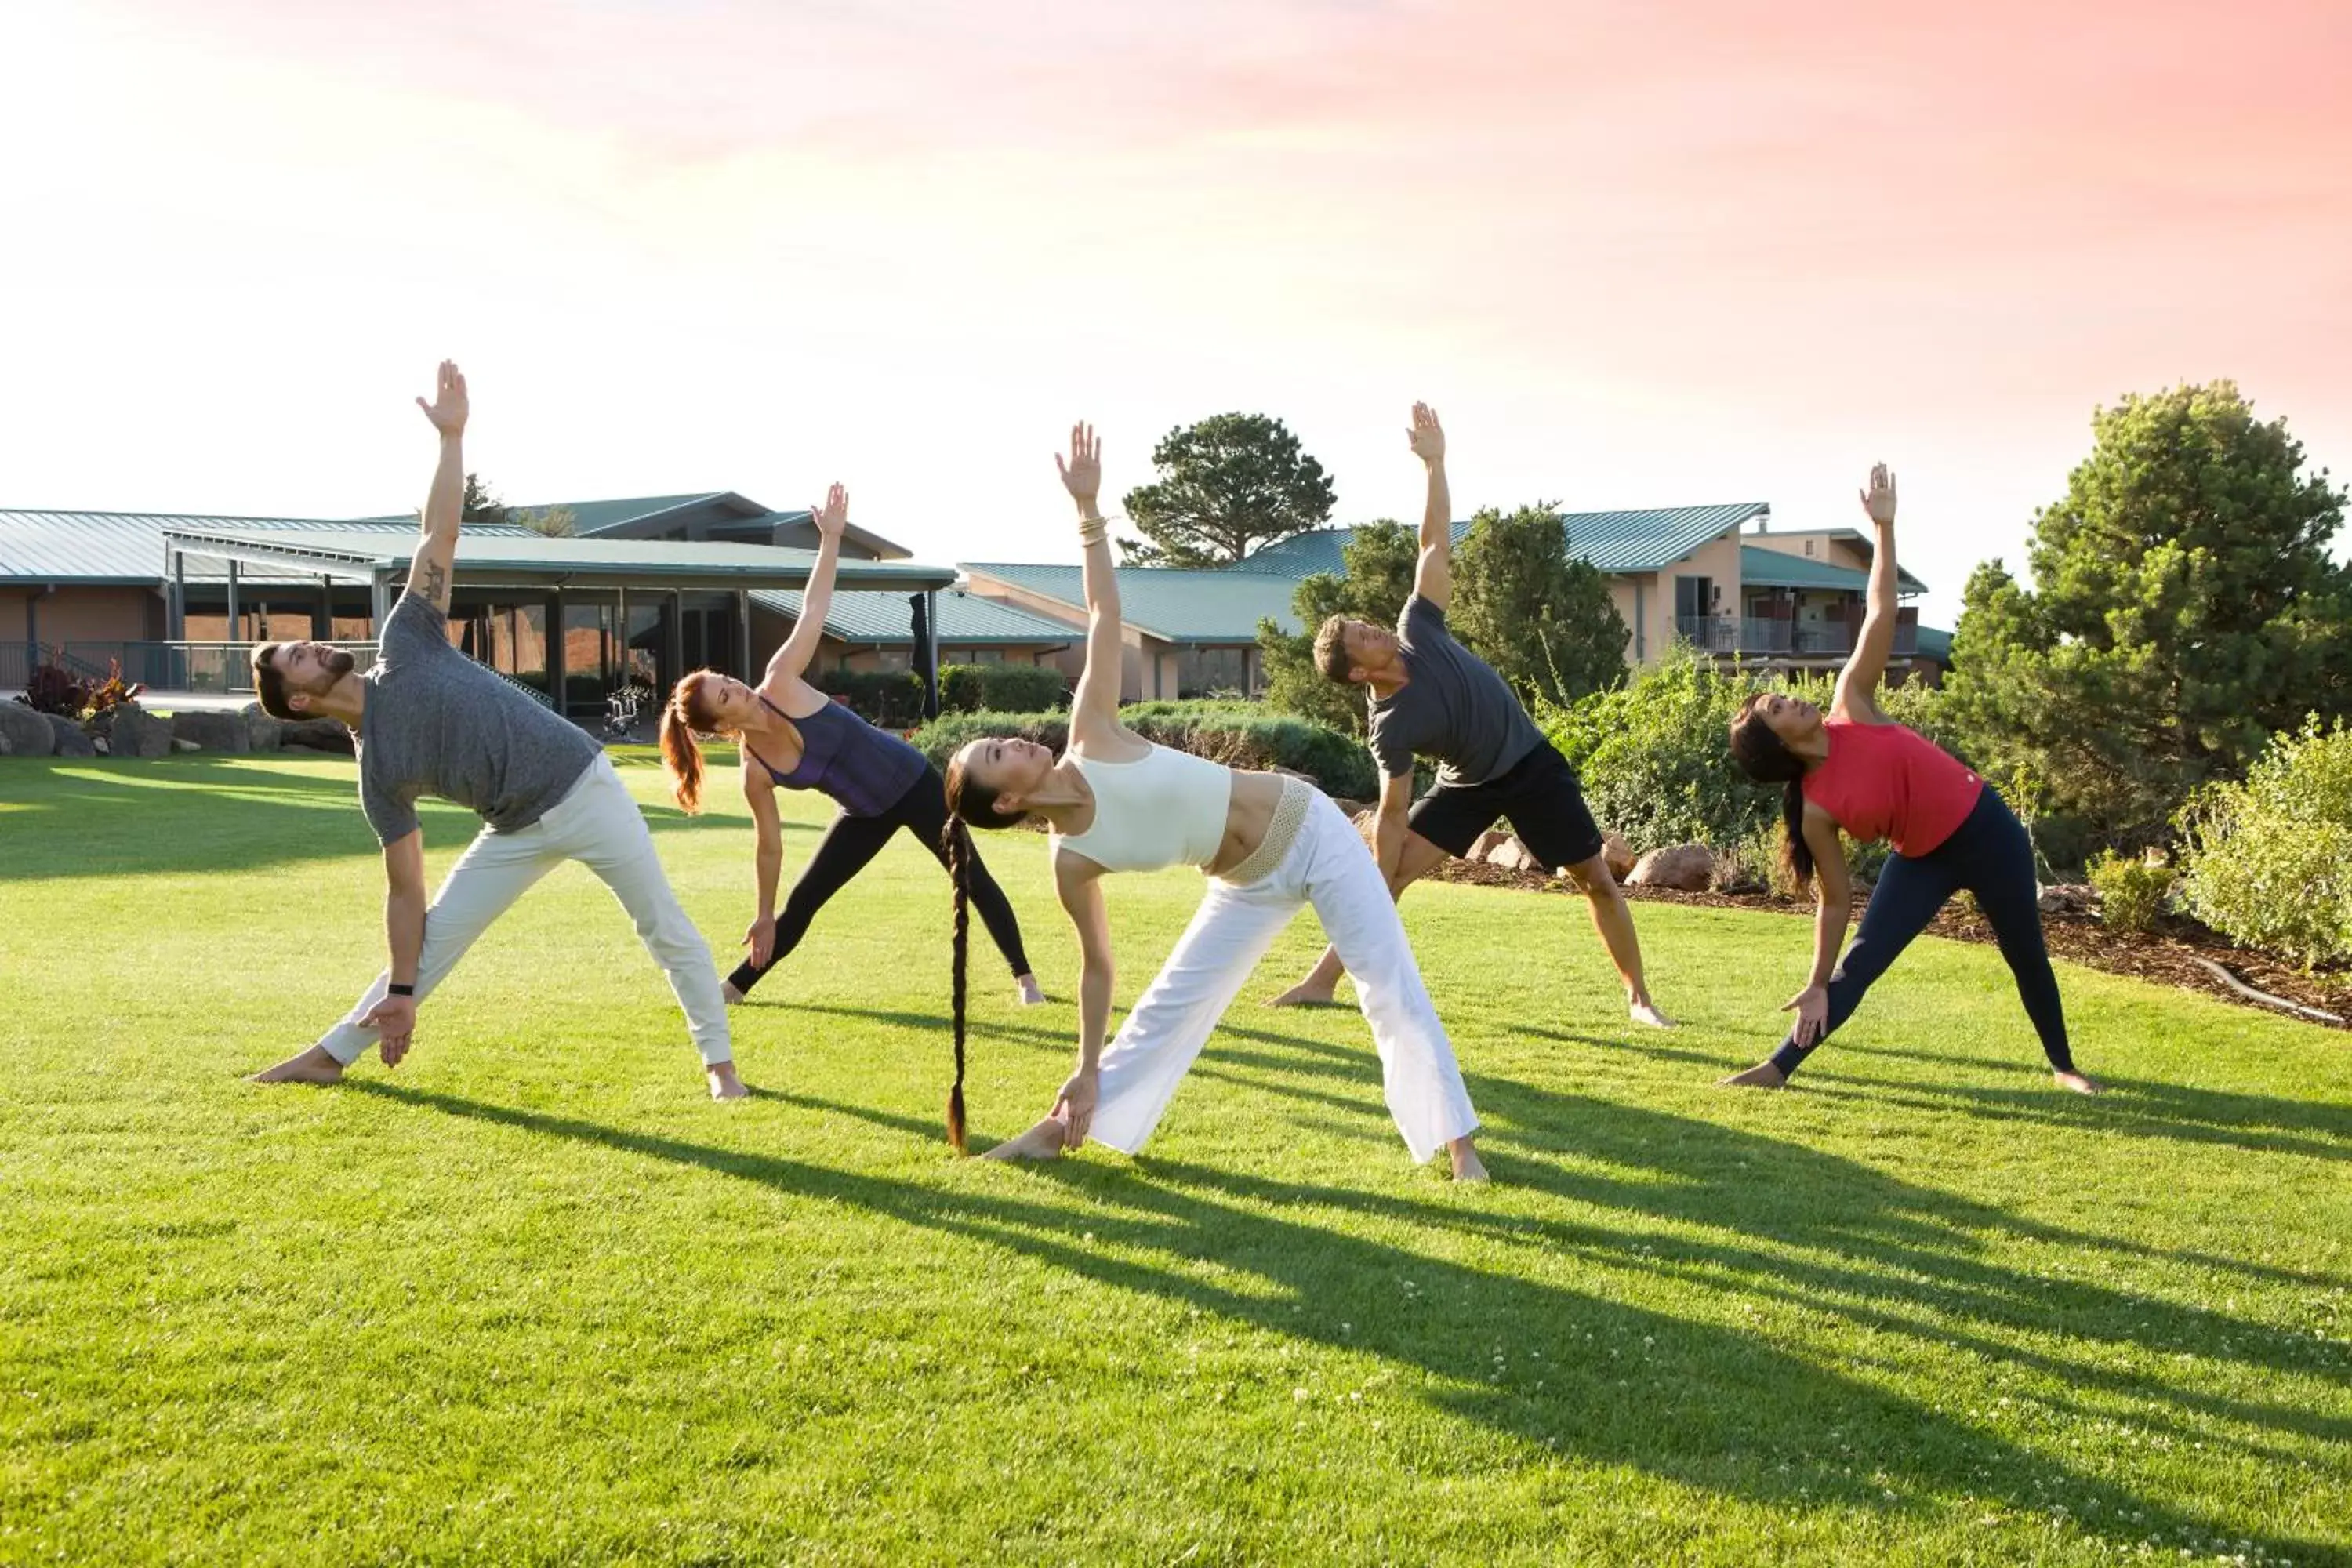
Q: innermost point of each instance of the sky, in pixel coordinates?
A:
(1635, 254)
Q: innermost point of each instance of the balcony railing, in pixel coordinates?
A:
(1759, 635)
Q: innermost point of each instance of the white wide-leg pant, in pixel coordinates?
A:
(598, 823)
(1327, 866)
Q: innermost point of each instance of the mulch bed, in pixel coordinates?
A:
(2167, 955)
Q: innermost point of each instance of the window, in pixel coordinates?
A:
(1694, 597)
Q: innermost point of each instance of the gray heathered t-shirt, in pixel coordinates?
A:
(1454, 709)
(437, 723)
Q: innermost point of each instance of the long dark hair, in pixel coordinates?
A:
(1763, 757)
(970, 802)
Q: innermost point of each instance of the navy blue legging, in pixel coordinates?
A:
(1990, 856)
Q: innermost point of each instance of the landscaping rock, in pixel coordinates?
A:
(1493, 838)
(27, 732)
(1619, 855)
(71, 741)
(138, 733)
(262, 734)
(1350, 809)
(212, 731)
(318, 735)
(2068, 899)
(1686, 868)
(1513, 856)
(182, 744)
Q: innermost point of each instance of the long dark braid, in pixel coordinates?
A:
(1762, 757)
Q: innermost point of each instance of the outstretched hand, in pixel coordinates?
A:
(833, 516)
(1082, 472)
(448, 410)
(1427, 436)
(1878, 501)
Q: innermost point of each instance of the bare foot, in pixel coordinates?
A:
(1763, 1074)
(1468, 1166)
(1306, 994)
(724, 1083)
(1646, 1012)
(727, 989)
(1031, 992)
(313, 1066)
(2077, 1083)
(1043, 1142)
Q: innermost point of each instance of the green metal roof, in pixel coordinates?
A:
(515, 558)
(1643, 541)
(596, 516)
(885, 620)
(127, 547)
(1763, 568)
(1172, 605)
(1935, 644)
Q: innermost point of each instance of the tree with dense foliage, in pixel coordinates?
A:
(2184, 609)
(1379, 562)
(480, 504)
(1227, 485)
(1542, 617)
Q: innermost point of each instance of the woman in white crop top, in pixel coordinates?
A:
(1268, 844)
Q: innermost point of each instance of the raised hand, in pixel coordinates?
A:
(833, 516)
(1427, 436)
(1082, 473)
(1878, 501)
(448, 410)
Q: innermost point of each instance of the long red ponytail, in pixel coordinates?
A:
(682, 715)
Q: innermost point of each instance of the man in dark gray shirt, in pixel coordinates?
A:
(429, 720)
(1431, 696)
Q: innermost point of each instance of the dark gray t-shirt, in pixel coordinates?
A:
(1454, 709)
(437, 723)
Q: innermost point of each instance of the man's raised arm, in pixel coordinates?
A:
(1433, 578)
(436, 552)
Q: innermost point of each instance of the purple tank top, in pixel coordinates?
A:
(865, 768)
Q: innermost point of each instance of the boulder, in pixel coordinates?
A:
(71, 741)
(1687, 868)
(318, 735)
(1350, 809)
(1513, 856)
(212, 731)
(27, 730)
(1618, 854)
(1493, 838)
(2068, 899)
(138, 733)
(262, 734)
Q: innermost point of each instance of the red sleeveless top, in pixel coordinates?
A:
(1883, 781)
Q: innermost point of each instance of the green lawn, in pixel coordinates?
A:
(533, 1297)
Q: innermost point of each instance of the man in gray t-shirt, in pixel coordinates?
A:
(1429, 696)
(429, 720)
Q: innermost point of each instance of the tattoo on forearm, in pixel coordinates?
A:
(436, 583)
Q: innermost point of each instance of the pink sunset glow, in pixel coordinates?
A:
(1638, 256)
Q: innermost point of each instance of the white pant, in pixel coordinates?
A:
(598, 823)
(1329, 867)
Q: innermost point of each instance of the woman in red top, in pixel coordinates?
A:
(1859, 771)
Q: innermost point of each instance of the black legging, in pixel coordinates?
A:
(1991, 857)
(850, 842)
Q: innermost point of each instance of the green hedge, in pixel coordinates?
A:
(1237, 735)
(892, 699)
(1002, 688)
(2269, 861)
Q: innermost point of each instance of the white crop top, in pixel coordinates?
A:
(1167, 808)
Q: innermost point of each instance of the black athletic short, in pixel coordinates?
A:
(1540, 795)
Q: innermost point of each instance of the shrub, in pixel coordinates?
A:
(1001, 688)
(892, 699)
(2269, 861)
(1237, 735)
(2131, 891)
(51, 688)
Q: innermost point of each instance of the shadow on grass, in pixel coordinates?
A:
(1700, 1404)
(101, 816)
